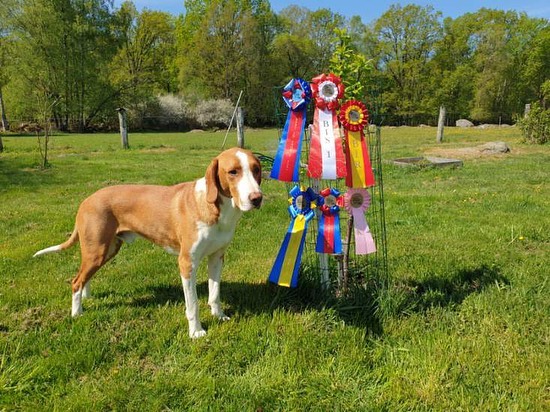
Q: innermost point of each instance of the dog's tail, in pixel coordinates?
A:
(65, 245)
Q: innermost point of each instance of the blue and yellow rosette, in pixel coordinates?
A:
(328, 237)
(287, 264)
(286, 166)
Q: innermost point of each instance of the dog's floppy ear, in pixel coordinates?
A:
(212, 181)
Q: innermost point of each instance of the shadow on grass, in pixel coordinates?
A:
(25, 176)
(366, 307)
(246, 299)
(437, 291)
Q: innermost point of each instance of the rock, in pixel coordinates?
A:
(464, 123)
(494, 148)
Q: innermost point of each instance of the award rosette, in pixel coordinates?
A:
(326, 156)
(354, 118)
(286, 166)
(328, 236)
(287, 264)
(357, 202)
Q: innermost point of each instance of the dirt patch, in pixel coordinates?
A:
(160, 149)
(491, 149)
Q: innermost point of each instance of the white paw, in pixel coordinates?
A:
(76, 312)
(222, 316)
(218, 314)
(197, 334)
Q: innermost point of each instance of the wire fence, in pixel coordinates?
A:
(339, 272)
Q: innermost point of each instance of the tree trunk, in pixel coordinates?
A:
(5, 124)
(441, 124)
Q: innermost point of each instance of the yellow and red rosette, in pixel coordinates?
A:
(326, 156)
(354, 118)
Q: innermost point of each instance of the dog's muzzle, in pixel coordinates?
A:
(256, 199)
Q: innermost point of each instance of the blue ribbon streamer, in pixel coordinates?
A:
(296, 95)
(335, 212)
(286, 268)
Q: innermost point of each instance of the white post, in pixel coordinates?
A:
(240, 127)
(123, 128)
(440, 124)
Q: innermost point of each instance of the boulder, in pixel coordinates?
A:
(464, 123)
(494, 148)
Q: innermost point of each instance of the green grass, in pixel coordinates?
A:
(463, 325)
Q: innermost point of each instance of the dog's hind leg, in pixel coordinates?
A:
(98, 244)
(114, 247)
(88, 267)
(215, 264)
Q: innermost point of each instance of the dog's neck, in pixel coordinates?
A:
(229, 212)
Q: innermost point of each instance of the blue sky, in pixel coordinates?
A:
(371, 10)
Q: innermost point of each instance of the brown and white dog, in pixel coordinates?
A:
(192, 220)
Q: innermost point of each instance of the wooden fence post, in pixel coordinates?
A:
(240, 127)
(440, 124)
(123, 128)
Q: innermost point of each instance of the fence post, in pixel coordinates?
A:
(240, 127)
(440, 124)
(123, 128)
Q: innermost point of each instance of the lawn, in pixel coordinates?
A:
(463, 323)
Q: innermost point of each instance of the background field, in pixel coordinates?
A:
(463, 325)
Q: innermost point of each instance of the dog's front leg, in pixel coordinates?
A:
(188, 272)
(215, 264)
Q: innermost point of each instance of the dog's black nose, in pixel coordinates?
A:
(256, 199)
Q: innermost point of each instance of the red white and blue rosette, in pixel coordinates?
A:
(287, 264)
(328, 236)
(326, 156)
(286, 166)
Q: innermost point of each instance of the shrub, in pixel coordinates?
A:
(535, 127)
(181, 112)
(213, 113)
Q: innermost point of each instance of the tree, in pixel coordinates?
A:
(490, 63)
(62, 52)
(306, 41)
(5, 58)
(142, 66)
(225, 50)
(352, 66)
(405, 38)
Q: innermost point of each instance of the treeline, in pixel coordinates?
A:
(73, 62)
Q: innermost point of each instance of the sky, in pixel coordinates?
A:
(371, 10)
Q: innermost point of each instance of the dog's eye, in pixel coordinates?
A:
(233, 172)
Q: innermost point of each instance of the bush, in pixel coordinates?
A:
(213, 113)
(178, 112)
(535, 127)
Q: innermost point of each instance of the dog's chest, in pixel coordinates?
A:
(212, 238)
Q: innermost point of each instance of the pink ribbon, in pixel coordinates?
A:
(357, 202)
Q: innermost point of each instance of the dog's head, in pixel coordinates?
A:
(236, 174)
